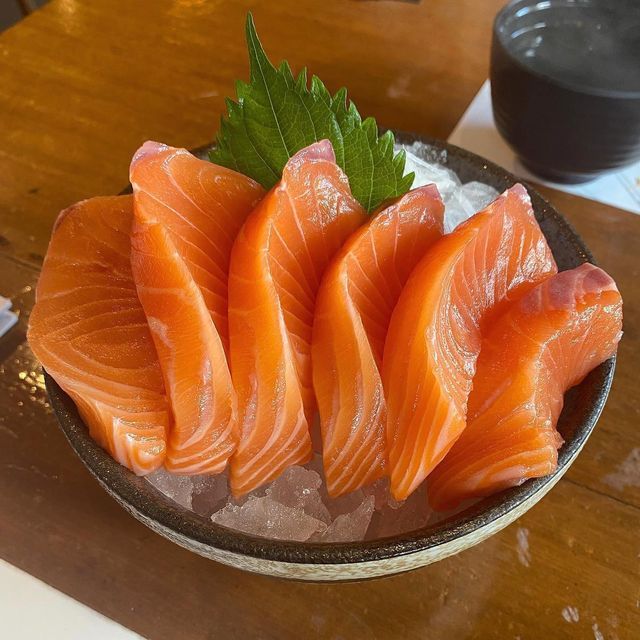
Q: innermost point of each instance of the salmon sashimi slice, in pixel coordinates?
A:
(276, 267)
(90, 333)
(356, 297)
(203, 206)
(546, 343)
(190, 351)
(187, 215)
(434, 335)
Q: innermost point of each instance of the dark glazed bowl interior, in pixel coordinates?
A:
(565, 85)
(582, 408)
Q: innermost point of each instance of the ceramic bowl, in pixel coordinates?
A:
(360, 560)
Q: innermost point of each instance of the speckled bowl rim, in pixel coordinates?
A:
(139, 497)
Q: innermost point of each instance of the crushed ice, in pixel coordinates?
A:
(270, 519)
(178, 488)
(296, 505)
(461, 201)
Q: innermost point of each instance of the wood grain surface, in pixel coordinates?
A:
(84, 82)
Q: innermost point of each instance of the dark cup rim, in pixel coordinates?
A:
(508, 11)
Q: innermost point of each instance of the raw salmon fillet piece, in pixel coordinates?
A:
(434, 334)
(276, 266)
(543, 345)
(187, 213)
(357, 295)
(90, 333)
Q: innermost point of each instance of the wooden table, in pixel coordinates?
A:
(84, 82)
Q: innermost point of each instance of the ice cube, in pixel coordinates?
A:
(298, 487)
(270, 519)
(177, 488)
(432, 172)
(380, 492)
(349, 501)
(349, 526)
(461, 201)
(457, 209)
(402, 517)
(315, 507)
(209, 492)
(465, 201)
(344, 504)
(479, 194)
(424, 152)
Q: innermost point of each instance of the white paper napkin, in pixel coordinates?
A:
(32, 610)
(476, 132)
(7, 317)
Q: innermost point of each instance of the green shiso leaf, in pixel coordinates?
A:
(276, 115)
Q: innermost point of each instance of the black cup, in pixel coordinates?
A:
(565, 85)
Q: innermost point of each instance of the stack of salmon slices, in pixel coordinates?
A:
(201, 324)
